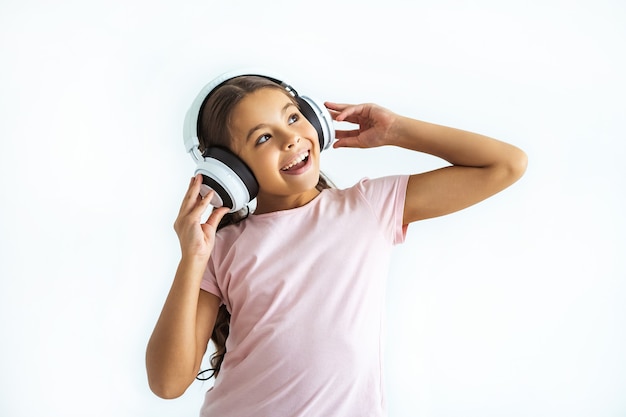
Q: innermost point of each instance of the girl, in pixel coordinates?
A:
(301, 281)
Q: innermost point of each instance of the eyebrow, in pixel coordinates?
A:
(262, 125)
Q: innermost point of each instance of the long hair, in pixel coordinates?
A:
(214, 129)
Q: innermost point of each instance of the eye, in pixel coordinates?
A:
(294, 118)
(262, 139)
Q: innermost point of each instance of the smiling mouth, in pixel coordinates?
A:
(298, 162)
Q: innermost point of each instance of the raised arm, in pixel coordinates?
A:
(480, 166)
(182, 332)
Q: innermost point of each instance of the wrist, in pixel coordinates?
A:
(194, 261)
(400, 131)
(190, 271)
(415, 135)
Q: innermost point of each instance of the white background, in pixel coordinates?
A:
(514, 307)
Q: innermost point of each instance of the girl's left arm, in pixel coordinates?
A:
(480, 166)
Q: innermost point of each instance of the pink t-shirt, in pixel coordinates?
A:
(306, 291)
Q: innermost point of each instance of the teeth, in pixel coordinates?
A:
(298, 159)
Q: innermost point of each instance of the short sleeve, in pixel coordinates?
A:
(386, 197)
(209, 282)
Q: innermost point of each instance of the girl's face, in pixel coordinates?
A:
(280, 146)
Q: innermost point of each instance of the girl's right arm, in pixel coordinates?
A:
(182, 332)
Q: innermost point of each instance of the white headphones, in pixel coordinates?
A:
(223, 171)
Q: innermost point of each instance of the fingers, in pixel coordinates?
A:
(193, 203)
(338, 107)
(348, 142)
(343, 134)
(351, 113)
(342, 112)
(191, 196)
(216, 216)
(201, 204)
(347, 139)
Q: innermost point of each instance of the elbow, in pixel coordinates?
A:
(515, 165)
(508, 169)
(165, 391)
(518, 164)
(166, 385)
(165, 378)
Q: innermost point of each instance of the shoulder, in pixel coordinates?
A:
(365, 184)
(228, 235)
(383, 188)
(378, 193)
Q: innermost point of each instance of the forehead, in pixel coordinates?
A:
(262, 107)
(260, 103)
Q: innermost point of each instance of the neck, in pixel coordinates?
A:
(269, 203)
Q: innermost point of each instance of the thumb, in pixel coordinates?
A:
(216, 216)
(348, 142)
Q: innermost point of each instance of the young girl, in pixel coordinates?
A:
(301, 280)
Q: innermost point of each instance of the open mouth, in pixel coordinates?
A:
(297, 163)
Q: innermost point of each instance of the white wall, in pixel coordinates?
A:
(514, 307)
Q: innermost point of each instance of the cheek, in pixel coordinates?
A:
(262, 166)
(311, 132)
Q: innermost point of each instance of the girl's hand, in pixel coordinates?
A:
(196, 238)
(376, 125)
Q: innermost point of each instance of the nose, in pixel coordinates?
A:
(291, 141)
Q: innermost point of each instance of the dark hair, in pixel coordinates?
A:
(214, 129)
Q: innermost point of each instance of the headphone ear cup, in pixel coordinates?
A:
(230, 178)
(317, 114)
